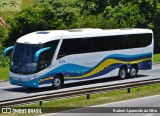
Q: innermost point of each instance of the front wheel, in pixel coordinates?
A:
(57, 82)
(122, 73)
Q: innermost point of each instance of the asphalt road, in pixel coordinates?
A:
(8, 92)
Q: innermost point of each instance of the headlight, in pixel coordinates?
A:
(33, 78)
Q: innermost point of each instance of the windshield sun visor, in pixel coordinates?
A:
(36, 56)
(6, 50)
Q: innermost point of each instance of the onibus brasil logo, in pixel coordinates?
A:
(10, 5)
(21, 110)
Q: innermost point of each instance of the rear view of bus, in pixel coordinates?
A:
(54, 58)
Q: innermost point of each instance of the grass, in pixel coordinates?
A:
(156, 58)
(4, 73)
(27, 3)
(7, 15)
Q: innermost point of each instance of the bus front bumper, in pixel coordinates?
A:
(29, 83)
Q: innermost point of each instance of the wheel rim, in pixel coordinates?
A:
(122, 74)
(133, 72)
(57, 82)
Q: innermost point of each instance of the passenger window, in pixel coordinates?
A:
(104, 43)
(83, 45)
(98, 44)
(139, 40)
(67, 48)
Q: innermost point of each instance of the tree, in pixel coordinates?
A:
(3, 36)
(2, 32)
(93, 7)
(46, 16)
(123, 16)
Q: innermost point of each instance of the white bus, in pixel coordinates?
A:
(54, 58)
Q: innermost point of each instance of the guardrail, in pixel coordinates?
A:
(78, 92)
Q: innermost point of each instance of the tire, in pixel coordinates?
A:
(57, 82)
(122, 73)
(133, 71)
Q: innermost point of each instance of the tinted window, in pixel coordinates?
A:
(98, 44)
(139, 40)
(83, 45)
(67, 48)
(107, 43)
(47, 56)
(113, 42)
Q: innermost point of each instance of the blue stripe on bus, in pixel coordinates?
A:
(69, 69)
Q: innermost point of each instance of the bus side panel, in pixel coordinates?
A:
(90, 66)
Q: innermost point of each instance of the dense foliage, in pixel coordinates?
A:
(67, 14)
(3, 33)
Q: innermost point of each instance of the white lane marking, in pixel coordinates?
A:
(126, 101)
(149, 115)
(8, 86)
(156, 68)
(50, 114)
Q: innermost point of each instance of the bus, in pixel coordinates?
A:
(57, 57)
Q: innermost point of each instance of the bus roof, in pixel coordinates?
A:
(41, 37)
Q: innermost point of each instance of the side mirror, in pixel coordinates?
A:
(36, 56)
(6, 50)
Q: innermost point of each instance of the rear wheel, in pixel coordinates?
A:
(133, 71)
(57, 82)
(122, 73)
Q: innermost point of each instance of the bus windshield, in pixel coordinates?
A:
(23, 58)
(22, 61)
